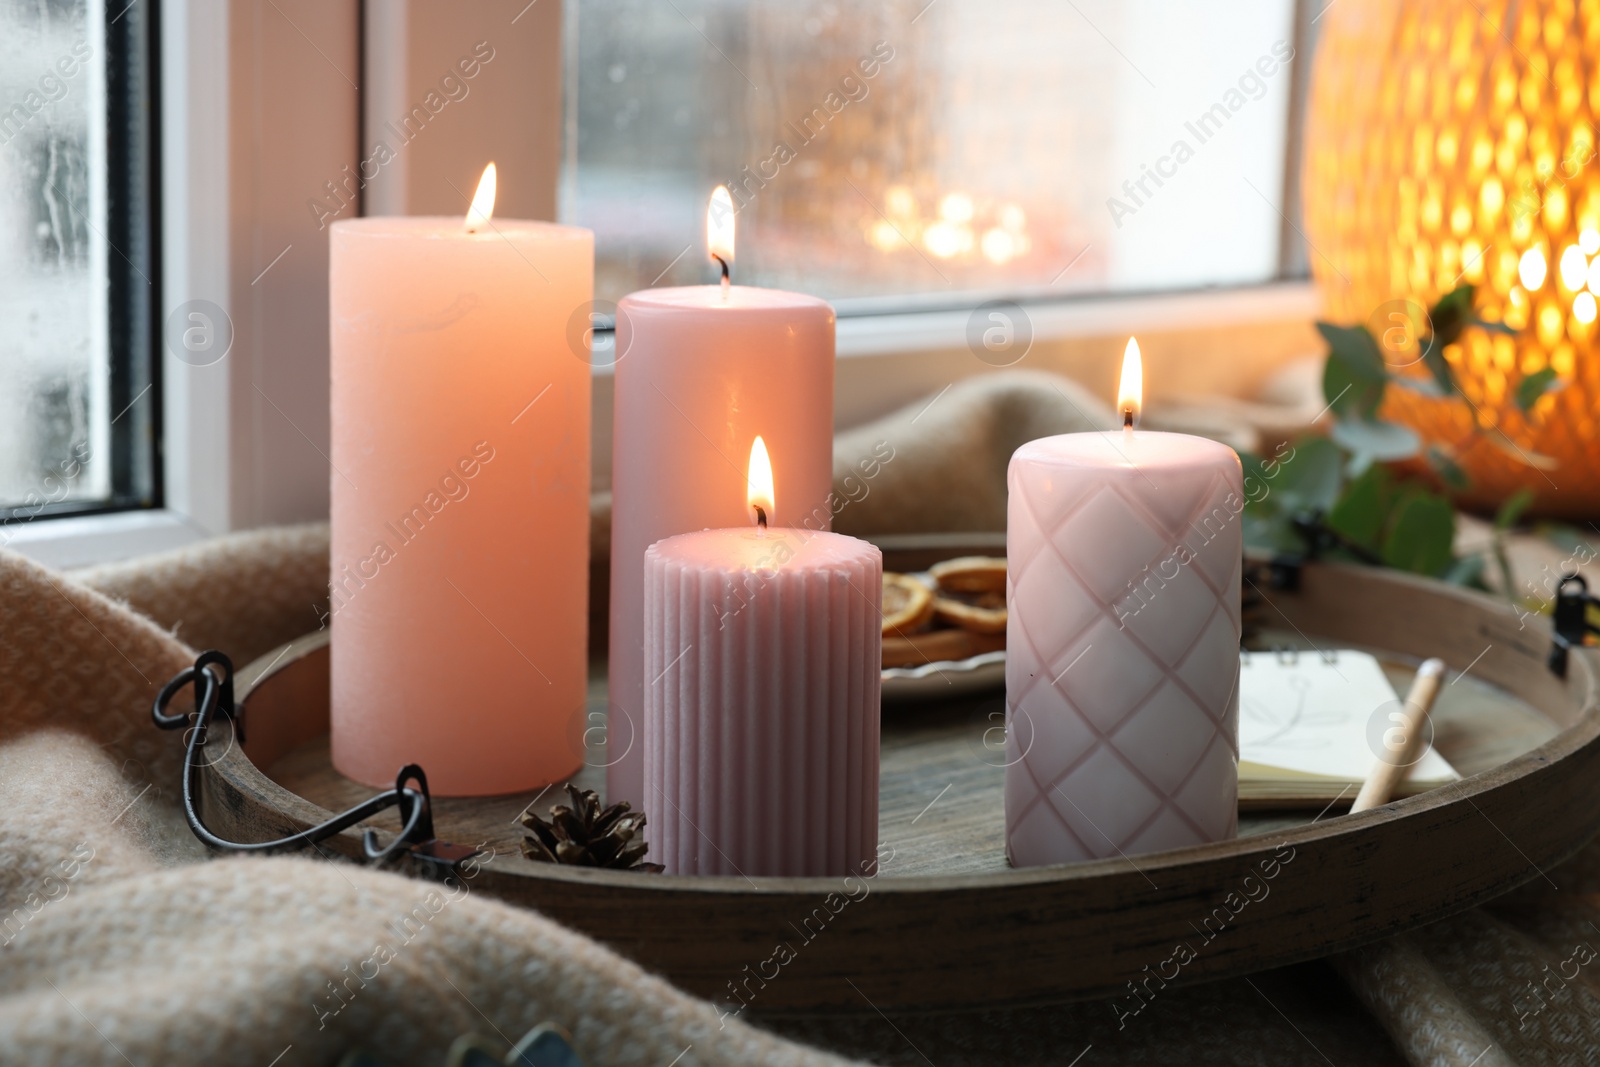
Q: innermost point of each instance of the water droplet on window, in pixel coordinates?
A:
(617, 72)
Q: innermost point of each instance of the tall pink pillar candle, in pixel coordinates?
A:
(699, 373)
(460, 500)
(1122, 645)
(761, 717)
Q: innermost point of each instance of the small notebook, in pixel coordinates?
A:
(1309, 724)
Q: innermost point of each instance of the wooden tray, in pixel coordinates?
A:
(947, 924)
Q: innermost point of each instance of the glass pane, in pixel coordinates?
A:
(931, 152)
(53, 380)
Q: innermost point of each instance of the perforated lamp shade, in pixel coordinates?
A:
(1448, 143)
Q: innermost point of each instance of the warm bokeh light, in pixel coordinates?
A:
(1130, 391)
(759, 492)
(998, 246)
(1531, 269)
(1448, 145)
(719, 225)
(1574, 268)
(956, 207)
(482, 209)
(946, 239)
(1583, 308)
(961, 229)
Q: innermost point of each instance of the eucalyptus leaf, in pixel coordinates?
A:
(1570, 540)
(1355, 347)
(1377, 439)
(1363, 510)
(1451, 314)
(1438, 366)
(1272, 533)
(1421, 535)
(1536, 385)
(1349, 397)
(1448, 470)
(1309, 480)
(1513, 509)
(1257, 484)
(1467, 571)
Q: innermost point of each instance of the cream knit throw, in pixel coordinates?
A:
(121, 942)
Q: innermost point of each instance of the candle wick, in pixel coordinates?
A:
(725, 282)
(1127, 418)
(761, 518)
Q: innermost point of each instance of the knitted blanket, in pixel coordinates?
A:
(123, 942)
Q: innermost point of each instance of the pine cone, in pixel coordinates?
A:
(585, 836)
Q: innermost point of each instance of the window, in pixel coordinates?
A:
(924, 153)
(79, 408)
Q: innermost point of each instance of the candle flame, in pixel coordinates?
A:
(759, 492)
(482, 208)
(1130, 393)
(719, 226)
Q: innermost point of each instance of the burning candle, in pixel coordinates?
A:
(1122, 641)
(699, 371)
(761, 655)
(460, 460)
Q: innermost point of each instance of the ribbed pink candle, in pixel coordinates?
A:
(761, 656)
(1122, 645)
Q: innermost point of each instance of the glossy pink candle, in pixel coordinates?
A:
(1122, 645)
(699, 374)
(460, 501)
(762, 655)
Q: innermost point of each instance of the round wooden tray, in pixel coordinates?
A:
(947, 924)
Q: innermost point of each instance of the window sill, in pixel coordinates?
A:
(1092, 316)
(89, 539)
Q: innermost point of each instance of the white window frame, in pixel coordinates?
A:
(245, 439)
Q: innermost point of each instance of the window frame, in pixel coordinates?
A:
(230, 461)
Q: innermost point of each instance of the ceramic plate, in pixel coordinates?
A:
(946, 678)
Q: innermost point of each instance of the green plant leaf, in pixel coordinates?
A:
(1310, 479)
(1257, 484)
(1438, 366)
(1451, 315)
(1421, 536)
(1448, 470)
(1467, 571)
(1513, 509)
(1377, 440)
(1355, 347)
(1536, 385)
(1349, 396)
(1362, 510)
(1271, 533)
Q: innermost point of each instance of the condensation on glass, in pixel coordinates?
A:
(54, 378)
(931, 152)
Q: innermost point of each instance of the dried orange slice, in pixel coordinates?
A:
(983, 613)
(971, 574)
(938, 646)
(907, 604)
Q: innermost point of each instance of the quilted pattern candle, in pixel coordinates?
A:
(1122, 644)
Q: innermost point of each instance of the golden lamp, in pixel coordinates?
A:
(1449, 143)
